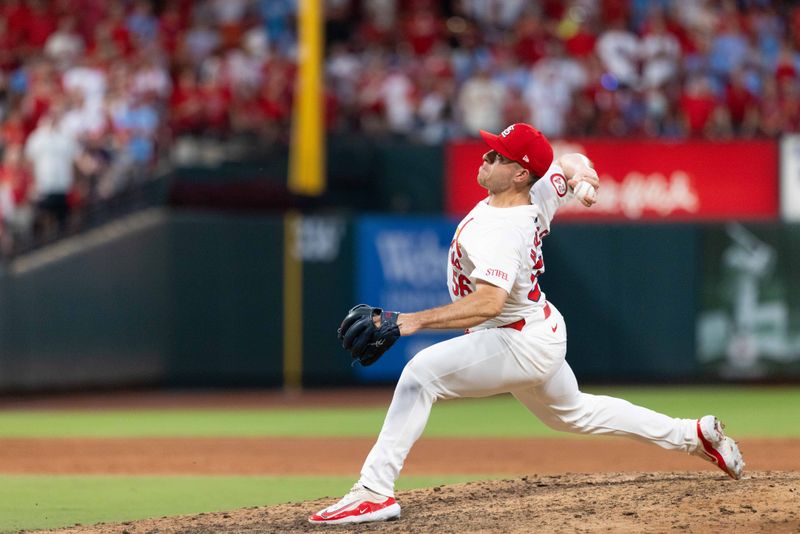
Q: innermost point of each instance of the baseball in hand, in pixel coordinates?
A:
(585, 192)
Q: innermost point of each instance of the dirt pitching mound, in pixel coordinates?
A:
(764, 501)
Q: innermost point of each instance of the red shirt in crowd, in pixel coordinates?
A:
(39, 26)
(531, 42)
(20, 180)
(170, 25)
(422, 29)
(581, 44)
(697, 109)
(216, 100)
(17, 16)
(13, 131)
(739, 101)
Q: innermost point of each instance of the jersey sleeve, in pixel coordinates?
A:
(498, 259)
(550, 193)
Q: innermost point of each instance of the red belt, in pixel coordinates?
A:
(516, 325)
(519, 325)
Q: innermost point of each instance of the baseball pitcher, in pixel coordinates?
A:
(515, 340)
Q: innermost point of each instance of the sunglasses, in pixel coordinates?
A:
(493, 155)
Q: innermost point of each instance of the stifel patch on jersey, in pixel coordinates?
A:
(497, 273)
(559, 183)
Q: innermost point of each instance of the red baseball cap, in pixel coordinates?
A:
(524, 144)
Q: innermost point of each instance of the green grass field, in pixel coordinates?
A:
(31, 502)
(764, 412)
(39, 502)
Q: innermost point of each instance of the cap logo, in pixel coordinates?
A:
(525, 159)
(507, 131)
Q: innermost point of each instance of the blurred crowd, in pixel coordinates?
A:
(84, 97)
(606, 68)
(95, 93)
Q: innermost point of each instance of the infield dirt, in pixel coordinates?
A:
(343, 456)
(663, 502)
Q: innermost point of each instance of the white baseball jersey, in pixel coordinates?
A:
(503, 246)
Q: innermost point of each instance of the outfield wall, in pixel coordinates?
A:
(90, 312)
(195, 298)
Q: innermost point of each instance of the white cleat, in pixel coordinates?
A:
(718, 448)
(360, 505)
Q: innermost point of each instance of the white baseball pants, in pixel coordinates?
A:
(530, 364)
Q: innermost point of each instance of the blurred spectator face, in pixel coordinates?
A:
(200, 41)
(422, 29)
(187, 79)
(75, 99)
(47, 121)
(116, 11)
(13, 128)
(65, 45)
(256, 42)
(143, 8)
(67, 24)
(12, 157)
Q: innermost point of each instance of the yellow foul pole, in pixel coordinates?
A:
(306, 153)
(292, 303)
(306, 177)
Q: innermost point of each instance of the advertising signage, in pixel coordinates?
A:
(402, 266)
(650, 181)
(748, 320)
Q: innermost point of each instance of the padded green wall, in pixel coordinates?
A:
(628, 296)
(196, 298)
(93, 317)
(226, 298)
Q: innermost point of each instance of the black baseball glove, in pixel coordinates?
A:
(365, 341)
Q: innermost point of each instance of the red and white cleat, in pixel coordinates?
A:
(360, 505)
(718, 448)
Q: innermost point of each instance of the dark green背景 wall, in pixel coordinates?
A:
(628, 294)
(193, 298)
(180, 297)
(88, 312)
(226, 273)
